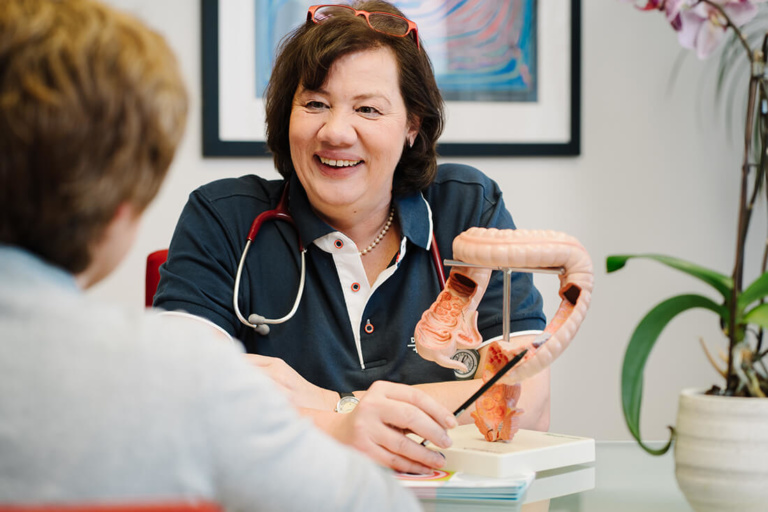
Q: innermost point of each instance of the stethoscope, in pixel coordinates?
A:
(261, 324)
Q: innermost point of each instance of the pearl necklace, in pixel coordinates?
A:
(382, 234)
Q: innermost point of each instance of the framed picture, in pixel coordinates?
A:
(509, 71)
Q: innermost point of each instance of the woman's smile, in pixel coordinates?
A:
(337, 167)
(338, 163)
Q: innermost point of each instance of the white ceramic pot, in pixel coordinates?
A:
(721, 452)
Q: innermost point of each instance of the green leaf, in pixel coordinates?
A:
(755, 291)
(639, 348)
(718, 281)
(758, 316)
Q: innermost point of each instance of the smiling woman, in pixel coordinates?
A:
(353, 118)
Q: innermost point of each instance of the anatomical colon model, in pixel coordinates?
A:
(450, 324)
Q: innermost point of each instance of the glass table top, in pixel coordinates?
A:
(627, 479)
(623, 478)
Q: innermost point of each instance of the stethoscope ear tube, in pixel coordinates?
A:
(258, 322)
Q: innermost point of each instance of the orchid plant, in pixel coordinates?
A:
(701, 25)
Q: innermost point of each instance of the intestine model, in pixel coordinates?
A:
(450, 324)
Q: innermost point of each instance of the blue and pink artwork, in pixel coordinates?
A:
(481, 50)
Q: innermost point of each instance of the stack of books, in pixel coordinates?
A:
(451, 485)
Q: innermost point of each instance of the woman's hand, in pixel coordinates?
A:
(302, 393)
(380, 422)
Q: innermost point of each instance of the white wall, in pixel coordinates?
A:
(657, 173)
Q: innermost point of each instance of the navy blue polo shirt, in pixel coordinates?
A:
(345, 334)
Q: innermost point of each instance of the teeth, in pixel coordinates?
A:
(339, 163)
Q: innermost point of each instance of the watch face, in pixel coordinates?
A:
(471, 359)
(347, 404)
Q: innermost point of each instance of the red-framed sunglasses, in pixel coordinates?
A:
(384, 22)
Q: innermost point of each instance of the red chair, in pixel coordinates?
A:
(180, 506)
(154, 260)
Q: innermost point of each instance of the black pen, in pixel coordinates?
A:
(485, 387)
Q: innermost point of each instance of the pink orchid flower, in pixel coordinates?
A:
(671, 7)
(700, 25)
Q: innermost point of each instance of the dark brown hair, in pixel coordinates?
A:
(305, 58)
(92, 107)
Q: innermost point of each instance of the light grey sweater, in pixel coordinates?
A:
(100, 404)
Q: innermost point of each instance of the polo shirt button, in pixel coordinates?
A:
(355, 287)
(369, 327)
(338, 243)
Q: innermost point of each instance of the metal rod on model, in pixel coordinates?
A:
(506, 305)
(550, 270)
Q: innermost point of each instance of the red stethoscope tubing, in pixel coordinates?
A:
(280, 212)
(437, 262)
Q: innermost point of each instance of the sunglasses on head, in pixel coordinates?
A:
(390, 24)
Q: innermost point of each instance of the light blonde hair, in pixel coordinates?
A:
(92, 108)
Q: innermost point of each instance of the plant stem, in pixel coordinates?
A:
(734, 331)
(764, 263)
(760, 181)
(756, 90)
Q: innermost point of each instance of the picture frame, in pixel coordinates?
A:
(232, 112)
